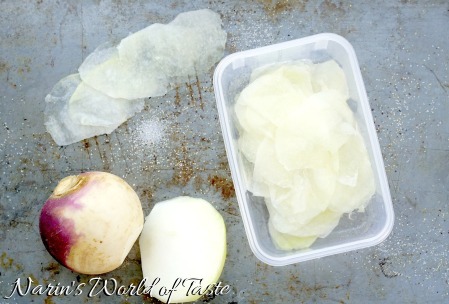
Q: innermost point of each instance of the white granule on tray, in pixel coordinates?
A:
(149, 132)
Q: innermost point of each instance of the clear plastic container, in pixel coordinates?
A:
(360, 229)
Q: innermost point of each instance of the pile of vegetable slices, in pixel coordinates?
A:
(309, 160)
(113, 81)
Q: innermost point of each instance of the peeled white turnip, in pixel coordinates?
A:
(91, 221)
(183, 238)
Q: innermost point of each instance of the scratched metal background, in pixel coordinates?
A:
(403, 50)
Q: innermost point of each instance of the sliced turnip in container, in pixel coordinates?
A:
(309, 160)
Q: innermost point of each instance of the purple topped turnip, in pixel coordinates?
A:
(91, 221)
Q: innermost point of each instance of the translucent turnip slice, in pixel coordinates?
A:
(355, 178)
(249, 145)
(294, 207)
(121, 78)
(329, 76)
(297, 153)
(58, 122)
(144, 63)
(90, 107)
(297, 76)
(75, 111)
(321, 225)
(267, 169)
(312, 131)
(289, 242)
(272, 102)
(252, 122)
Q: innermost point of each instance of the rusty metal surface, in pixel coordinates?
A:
(403, 49)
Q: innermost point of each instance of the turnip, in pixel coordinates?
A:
(183, 239)
(91, 221)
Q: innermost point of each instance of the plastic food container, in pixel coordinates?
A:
(355, 231)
